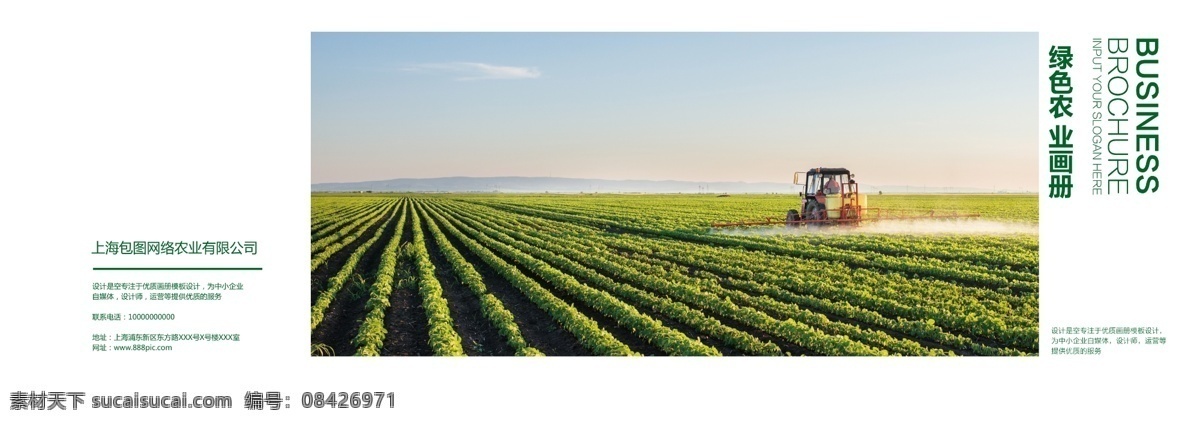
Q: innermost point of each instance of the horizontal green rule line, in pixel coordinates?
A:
(174, 269)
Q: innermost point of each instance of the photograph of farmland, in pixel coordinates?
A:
(629, 275)
(674, 194)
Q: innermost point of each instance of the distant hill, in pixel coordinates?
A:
(582, 185)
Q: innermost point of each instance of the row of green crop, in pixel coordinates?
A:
(1015, 311)
(986, 325)
(442, 337)
(961, 273)
(340, 210)
(892, 285)
(697, 211)
(666, 338)
(339, 213)
(372, 331)
(1023, 262)
(586, 330)
(577, 249)
(345, 226)
(926, 331)
(319, 238)
(639, 221)
(347, 237)
(493, 309)
(671, 219)
(324, 209)
(701, 256)
(677, 311)
(335, 283)
(791, 330)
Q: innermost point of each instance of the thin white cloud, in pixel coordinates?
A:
(471, 71)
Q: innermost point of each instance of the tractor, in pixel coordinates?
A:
(830, 196)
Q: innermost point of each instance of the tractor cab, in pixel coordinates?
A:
(828, 194)
(820, 182)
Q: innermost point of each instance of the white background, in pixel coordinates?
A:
(190, 120)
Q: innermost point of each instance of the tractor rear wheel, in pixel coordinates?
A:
(812, 210)
(792, 217)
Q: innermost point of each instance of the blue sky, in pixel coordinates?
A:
(906, 109)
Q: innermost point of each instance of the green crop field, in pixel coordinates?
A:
(607, 274)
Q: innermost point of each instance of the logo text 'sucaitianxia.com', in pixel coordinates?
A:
(64, 400)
